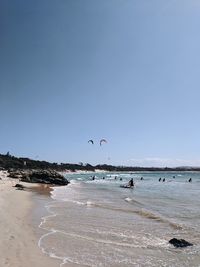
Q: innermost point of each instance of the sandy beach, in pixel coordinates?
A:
(19, 245)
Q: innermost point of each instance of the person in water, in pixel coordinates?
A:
(159, 179)
(163, 180)
(190, 180)
(141, 178)
(131, 183)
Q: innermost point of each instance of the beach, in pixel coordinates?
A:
(19, 244)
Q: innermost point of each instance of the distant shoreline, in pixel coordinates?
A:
(11, 162)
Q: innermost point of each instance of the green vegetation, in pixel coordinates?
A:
(10, 162)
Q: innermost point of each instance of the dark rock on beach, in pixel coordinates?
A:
(39, 176)
(180, 243)
(45, 177)
(19, 186)
(16, 174)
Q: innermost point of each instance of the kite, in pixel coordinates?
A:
(102, 141)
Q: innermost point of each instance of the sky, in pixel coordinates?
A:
(124, 70)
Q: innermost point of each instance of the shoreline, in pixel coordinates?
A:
(42, 201)
(19, 236)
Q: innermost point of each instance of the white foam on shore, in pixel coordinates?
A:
(128, 199)
(50, 232)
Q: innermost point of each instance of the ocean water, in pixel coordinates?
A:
(98, 223)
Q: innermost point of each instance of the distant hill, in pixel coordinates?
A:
(11, 162)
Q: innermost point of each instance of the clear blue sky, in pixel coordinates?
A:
(124, 70)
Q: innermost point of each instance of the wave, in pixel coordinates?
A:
(152, 216)
(131, 200)
(145, 213)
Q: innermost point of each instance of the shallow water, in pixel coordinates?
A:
(98, 223)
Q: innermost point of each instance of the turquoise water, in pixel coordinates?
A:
(98, 223)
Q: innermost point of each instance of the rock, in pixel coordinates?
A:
(180, 243)
(20, 186)
(39, 176)
(44, 177)
(15, 174)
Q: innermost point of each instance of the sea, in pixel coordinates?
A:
(99, 223)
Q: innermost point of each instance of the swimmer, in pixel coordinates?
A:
(159, 179)
(190, 180)
(163, 180)
(141, 178)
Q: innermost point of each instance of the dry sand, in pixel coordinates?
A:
(18, 244)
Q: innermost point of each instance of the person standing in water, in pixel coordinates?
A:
(131, 183)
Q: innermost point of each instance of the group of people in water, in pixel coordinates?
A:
(129, 185)
(163, 180)
(93, 178)
(131, 182)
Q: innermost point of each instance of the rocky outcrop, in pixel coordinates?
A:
(46, 177)
(39, 176)
(16, 174)
(19, 186)
(180, 243)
